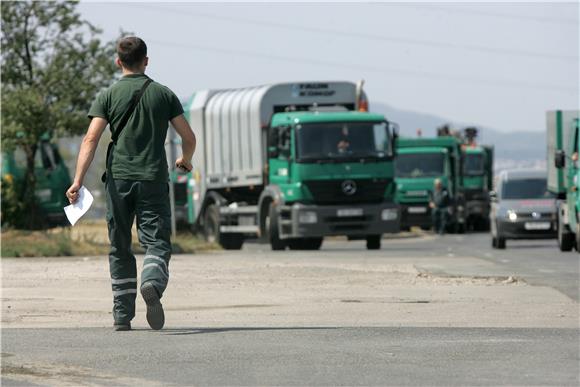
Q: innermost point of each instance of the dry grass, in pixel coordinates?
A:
(87, 238)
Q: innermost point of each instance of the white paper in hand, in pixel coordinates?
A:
(75, 211)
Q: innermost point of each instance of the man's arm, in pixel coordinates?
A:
(86, 155)
(188, 142)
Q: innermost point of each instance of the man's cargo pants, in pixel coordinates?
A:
(149, 202)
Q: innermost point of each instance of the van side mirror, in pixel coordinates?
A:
(493, 196)
(560, 159)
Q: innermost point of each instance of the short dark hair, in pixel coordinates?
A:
(131, 51)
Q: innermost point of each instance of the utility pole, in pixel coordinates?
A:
(171, 163)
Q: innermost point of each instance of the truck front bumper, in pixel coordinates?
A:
(352, 220)
(417, 214)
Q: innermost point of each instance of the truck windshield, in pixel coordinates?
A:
(419, 165)
(525, 189)
(473, 165)
(342, 141)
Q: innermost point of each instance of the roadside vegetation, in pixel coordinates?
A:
(85, 239)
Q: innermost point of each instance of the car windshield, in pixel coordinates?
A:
(336, 141)
(473, 164)
(525, 189)
(419, 165)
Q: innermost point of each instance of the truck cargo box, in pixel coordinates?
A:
(559, 125)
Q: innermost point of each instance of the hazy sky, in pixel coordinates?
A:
(494, 64)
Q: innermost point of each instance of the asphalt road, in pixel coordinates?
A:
(326, 355)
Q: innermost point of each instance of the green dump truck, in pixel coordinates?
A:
(477, 180)
(563, 128)
(52, 179)
(291, 163)
(419, 162)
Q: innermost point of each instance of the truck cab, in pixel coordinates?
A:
(418, 164)
(52, 179)
(564, 174)
(477, 181)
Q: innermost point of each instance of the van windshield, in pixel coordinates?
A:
(526, 189)
(419, 165)
(342, 141)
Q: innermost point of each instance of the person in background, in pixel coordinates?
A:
(439, 205)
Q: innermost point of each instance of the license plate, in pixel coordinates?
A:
(537, 225)
(417, 210)
(344, 212)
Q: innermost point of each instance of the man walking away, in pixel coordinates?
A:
(439, 206)
(138, 111)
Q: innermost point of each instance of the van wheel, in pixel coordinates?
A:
(374, 242)
(305, 244)
(272, 229)
(565, 239)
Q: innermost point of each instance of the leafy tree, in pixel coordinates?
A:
(53, 65)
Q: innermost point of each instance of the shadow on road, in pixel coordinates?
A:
(197, 331)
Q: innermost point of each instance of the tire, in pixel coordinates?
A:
(211, 224)
(231, 241)
(211, 231)
(565, 239)
(459, 228)
(577, 237)
(374, 242)
(500, 243)
(272, 230)
(494, 242)
(305, 244)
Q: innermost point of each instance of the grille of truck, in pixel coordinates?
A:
(331, 191)
(475, 194)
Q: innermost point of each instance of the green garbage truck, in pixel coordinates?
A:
(291, 163)
(52, 179)
(564, 174)
(477, 180)
(419, 162)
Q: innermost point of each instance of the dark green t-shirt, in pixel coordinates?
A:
(140, 150)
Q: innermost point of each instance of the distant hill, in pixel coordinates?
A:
(513, 147)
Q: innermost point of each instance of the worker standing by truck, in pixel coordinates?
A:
(136, 178)
(439, 205)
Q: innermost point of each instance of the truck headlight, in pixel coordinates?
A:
(512, 215)
(389, 214)
(308, 217)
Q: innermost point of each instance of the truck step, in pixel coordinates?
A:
(239, 229)
(239, 210)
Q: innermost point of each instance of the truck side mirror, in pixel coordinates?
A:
(560, 159)
(395, 135)
(272, 152)
(493, 196)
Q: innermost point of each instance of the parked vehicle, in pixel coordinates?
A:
(563, 174)
(477, 180)
(52, 179)
(291, 163)
(522, 208)
(419, 162)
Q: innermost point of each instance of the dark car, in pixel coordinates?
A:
(522, 208)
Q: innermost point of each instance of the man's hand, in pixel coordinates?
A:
(431, 205)
(183, 164)
(73, 192)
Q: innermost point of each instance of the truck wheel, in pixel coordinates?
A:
(577, 237)
(494, 242)
(211, 224)
(273, 232)
(374, 242)
(231, 241)
(565, 239)
(305, 244)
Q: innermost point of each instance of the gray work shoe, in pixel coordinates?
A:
(155, 314)
(122, 327)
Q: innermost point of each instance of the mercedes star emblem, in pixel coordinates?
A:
(349, 187)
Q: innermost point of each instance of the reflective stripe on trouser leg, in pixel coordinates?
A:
(122, 264)
(154, 231)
